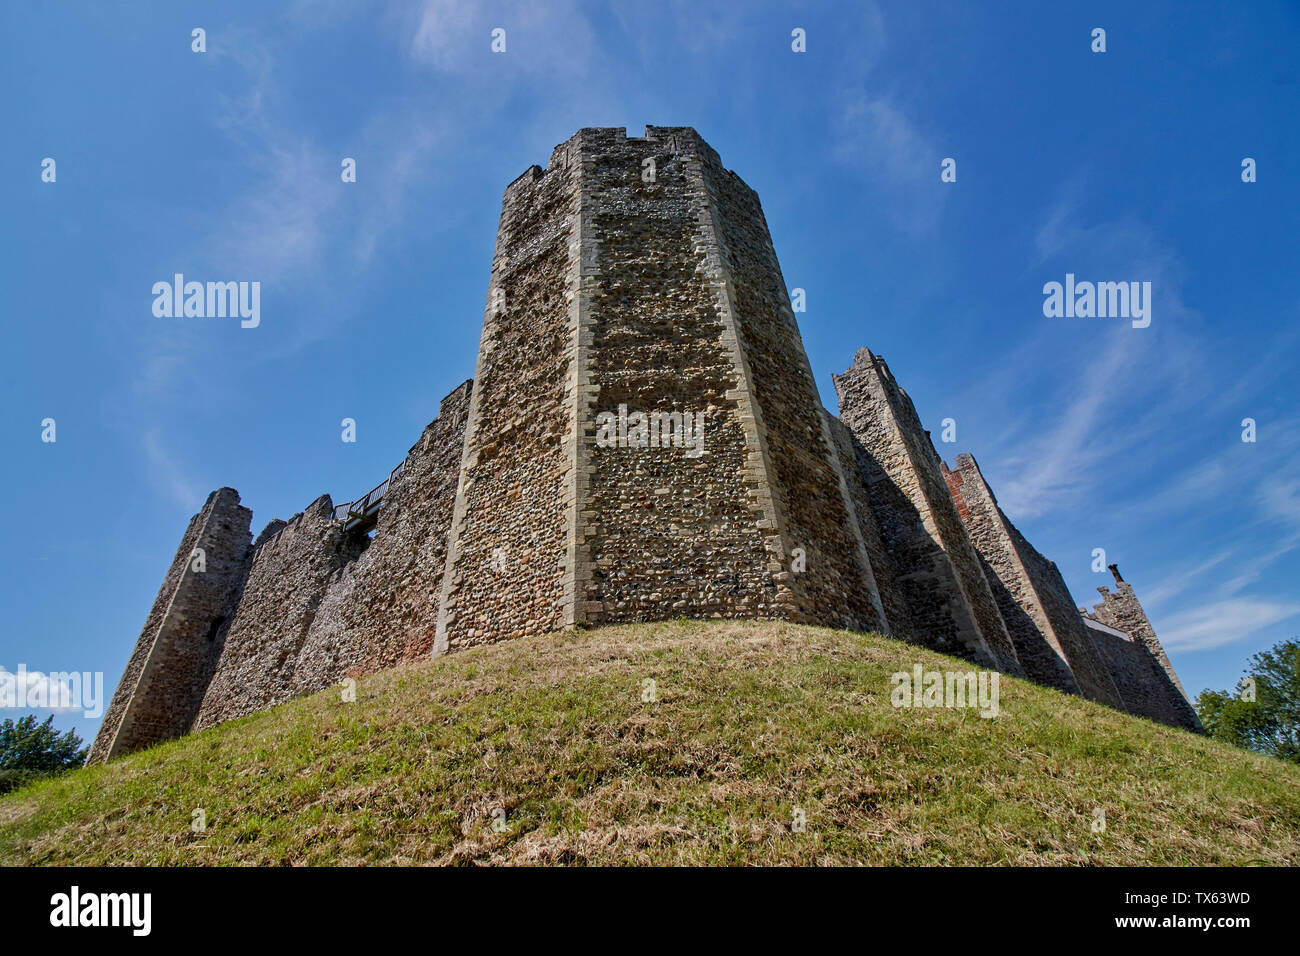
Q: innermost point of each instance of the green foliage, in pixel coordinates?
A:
(29, 750)
(13, 779)
(1263, 714)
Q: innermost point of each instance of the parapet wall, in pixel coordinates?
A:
(1112, 656)
(286, 577)
(383, 607)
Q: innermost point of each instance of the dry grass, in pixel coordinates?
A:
(752, 721)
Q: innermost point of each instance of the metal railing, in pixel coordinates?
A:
(363, 513)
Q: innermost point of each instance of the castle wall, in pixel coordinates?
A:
(304, 606)
(854, 464)
(664, 534)
(614, 291)
(288, 572)
(617, 291)
(1037, 643)
(1159, 695)
(383, 608)
(838, 587)
(512, 525)
(1132, 670)
(159, 691)
(1051, 639)
(1072, 636)
(949, 601)
(321, 603)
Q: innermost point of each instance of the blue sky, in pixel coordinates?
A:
(1117, 166)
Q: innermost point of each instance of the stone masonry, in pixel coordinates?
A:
(634, 281)
(1050, 636)
(299, 609)
(157, 696)
(1143, 674)
(935, 565)
(639, 274)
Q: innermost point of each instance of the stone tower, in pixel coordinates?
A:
(157, 697)
(636, 277)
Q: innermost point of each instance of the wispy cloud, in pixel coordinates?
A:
(1061, 229)
(293, 221)
(398, 151)
(1129, 416)
(454, 37)
(167, 472)
(876, 135)
(1129, 388)
(1225, 614)
(284, 226)
(1220, 473)
(1223, 622)
(280, 230)
(1182, 578)
(1058, 462)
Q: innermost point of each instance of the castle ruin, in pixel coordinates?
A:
(634, 290)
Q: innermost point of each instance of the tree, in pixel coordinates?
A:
(29, 750)
(1263, 714)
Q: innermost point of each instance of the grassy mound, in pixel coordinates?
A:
(752, 722)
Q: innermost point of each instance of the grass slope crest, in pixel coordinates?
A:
(757, 743)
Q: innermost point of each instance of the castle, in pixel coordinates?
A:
(635, 296)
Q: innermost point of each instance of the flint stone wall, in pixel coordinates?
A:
(510, 540)
(1036, 642)
(382, 608)
(1159, 695)
(296, 611)
(663, 534)
(158, 693)
(285, 578)
(812, 500)
(658, 291)
(1072, 635)
(856, 465)
(1134, 672)
(938, 572)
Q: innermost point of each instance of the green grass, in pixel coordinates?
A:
(752, 721)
